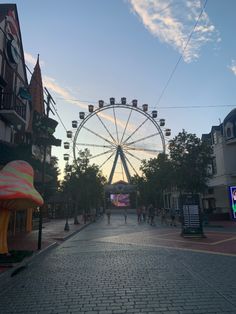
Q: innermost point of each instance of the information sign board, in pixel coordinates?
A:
(191, 218)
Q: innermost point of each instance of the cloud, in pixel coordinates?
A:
(67, 95)
(233, 66)
(173, 23)
(53, 86)
(31, 59)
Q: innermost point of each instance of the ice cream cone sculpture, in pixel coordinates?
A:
(17, 192)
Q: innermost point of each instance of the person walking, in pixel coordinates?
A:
(144, 211)
(163, 216)
(125, 214)
(151, 214)
(172, 217)
(108, 212)
(139, 214)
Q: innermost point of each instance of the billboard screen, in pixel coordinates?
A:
(232, 195)
(120, 200)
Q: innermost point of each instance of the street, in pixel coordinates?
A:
(125, 268)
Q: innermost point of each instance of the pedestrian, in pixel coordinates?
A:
(108, 212)
(163, 216)
(144, 211)
(139, 214)
(151, 214)
(125, 214)
(172, 217)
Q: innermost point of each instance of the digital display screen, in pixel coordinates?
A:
(232, 195)
(120, 200)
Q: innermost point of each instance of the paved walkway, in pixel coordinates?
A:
(52, 233)
(122, 268)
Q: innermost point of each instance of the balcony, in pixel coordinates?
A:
(12, 109)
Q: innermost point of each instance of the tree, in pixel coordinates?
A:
(157, 178)
(52, 170)
(190, 158)
(84, 184)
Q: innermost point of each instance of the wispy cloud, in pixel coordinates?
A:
(173, 22)
(53, 86)
(233, 66)
(31, 59)
(68, 96)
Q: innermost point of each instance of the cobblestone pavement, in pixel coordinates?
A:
(93, 274)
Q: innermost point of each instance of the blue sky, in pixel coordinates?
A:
(97, 49)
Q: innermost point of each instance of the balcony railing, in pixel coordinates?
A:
(9, 101)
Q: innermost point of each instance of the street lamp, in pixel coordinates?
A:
(68, 176)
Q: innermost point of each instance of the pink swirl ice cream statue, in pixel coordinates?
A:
(17, 192)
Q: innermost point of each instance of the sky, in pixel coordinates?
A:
(147, 50)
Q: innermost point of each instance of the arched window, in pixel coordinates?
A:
(229, 131)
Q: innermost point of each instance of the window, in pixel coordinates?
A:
(214, 138)
(214, 168)
(210, 190)
(228, 132)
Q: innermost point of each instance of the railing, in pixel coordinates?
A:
(9, 101)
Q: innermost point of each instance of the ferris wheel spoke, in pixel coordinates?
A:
(112, 154)
(106, 128)
(136, 130)
(132, 155)
(122, 171)
(98, 135)
(142, 139)
(114, 113)
(127, 159)
(101, 154)
(127, 122)
(143, 149)
(93, 145)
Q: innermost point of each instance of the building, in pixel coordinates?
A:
(14, 94)
(223, 168)
(216, 201)
(26, 131)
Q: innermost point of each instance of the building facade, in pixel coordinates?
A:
(223, 168)
(14, 95)
(26, 131)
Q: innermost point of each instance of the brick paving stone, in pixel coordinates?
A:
(89, 273)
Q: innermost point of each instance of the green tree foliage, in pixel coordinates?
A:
(83, 183)
(141, 185)
(52, 171)
(190, 158)
(185, 168)
(157, 177)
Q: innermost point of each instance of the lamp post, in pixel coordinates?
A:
(68, 176)
(49, 99)
(67, 227)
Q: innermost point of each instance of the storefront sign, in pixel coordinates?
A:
(232, 195)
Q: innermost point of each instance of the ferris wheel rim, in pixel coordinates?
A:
(114, 106)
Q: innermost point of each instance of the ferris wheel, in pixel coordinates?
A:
(119, 136)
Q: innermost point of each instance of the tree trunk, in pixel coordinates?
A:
(4, 221)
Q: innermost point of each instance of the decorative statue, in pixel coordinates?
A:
(17, 192)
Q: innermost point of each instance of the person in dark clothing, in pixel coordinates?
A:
(139, 214)
(151, 214)
(172, 217)
(108, 212)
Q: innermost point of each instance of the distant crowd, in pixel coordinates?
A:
(148, 213)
